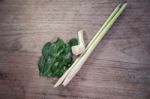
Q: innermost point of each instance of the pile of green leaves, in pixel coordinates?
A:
(56, 58)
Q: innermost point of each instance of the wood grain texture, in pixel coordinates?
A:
(119, 68)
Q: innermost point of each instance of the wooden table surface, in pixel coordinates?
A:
(119, 68)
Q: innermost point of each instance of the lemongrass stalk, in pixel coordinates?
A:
(104, 25)
(79, 64)
(106, 22)
(60, 80)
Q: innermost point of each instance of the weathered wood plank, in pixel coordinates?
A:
(119, 68)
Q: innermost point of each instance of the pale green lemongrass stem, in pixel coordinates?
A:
(77, 67)
(60, 80)
(104, 25)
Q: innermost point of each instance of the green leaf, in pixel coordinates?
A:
(60, 44)
(41, 64)
(56, 57)
(73, 42)
(49, 64)
(46, 48)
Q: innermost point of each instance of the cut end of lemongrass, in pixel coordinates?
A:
(61, 79)
(56, 85)
(64, 84)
